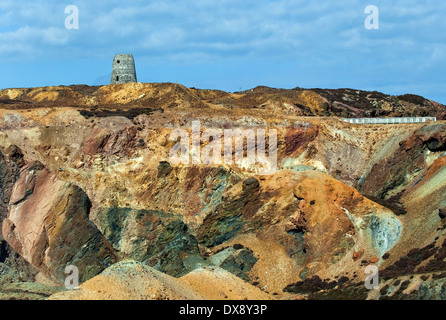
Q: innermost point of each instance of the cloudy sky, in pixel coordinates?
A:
(229, 44)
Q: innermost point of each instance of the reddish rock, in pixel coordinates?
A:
(48, 225)
(374, 260)
(299, 137)
(356, 255)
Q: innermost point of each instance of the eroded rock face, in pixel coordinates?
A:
(13, 267)
(11, 160)
(159, 239)
(92, 183)
(397, 169)
(226, 221)
(48, 225)
(238, 261)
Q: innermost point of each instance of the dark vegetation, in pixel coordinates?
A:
(408, 264)
(317, 289)
(315, 284)
(130, 113)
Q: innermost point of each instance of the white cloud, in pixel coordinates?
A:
(174, 25)
(310, 34)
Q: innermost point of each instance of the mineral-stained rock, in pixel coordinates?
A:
(226, 221)
(48, 225)
(11, 160)
(298, 138)
(339, 189)
(13, 267)
(161, 240)
(237, 261)
(396, 169)
(357, 255)
(374, 260)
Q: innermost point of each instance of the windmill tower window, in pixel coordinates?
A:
(117, 78)
(118, 61)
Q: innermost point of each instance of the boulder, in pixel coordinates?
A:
(162, 240)
(48, 225)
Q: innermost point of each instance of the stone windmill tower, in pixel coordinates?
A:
(123, 70)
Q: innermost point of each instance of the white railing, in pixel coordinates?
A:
(389, 120)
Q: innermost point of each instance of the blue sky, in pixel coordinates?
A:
(229, 44)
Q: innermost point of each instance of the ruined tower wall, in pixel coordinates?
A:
(123, 70)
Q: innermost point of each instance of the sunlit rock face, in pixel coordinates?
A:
(87, 179)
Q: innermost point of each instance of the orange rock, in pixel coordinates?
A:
(374, 260)
(357, 255)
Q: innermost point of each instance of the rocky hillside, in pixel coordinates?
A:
(137, 98)
(86, 180)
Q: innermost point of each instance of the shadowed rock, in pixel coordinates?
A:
(159, 239)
